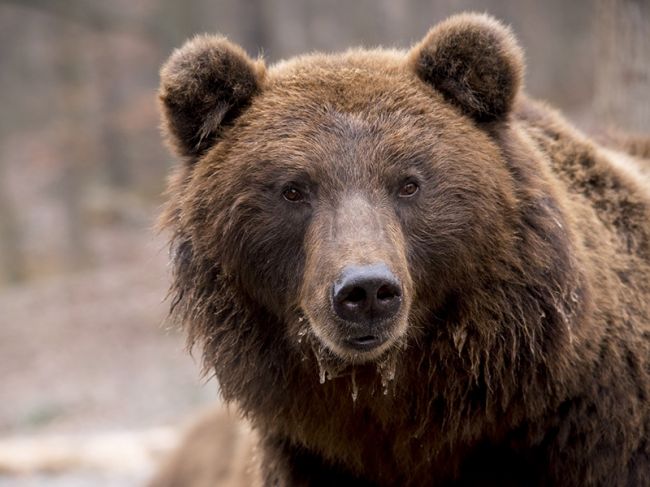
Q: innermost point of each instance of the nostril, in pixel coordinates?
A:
(387, 292)
(356, 295)
(366, 295)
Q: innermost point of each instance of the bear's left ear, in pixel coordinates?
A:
(204, 85)
(475, 62)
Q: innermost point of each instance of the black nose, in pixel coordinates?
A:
(366, 294)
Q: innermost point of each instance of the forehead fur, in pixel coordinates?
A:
(319, 113)
(470, 61)
(346, 116)
(349, 80)
(371, 86)
(379, 60)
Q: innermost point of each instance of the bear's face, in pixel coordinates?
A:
(350, 195)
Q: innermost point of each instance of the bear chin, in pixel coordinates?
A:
(358, 349)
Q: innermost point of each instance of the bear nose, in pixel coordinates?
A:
(366, 294)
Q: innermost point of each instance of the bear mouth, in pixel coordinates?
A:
(362, 347)
(351, 343)
(364, 343)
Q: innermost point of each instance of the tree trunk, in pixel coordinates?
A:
(622, 81)
(12, 268)
(79, 150)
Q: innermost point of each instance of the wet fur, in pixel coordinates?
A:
(526, 358)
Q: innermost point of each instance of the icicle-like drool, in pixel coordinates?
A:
(301, 334)
(322, 371)
(304, 328)
(386, 370)
(355, 387)
(328, 368)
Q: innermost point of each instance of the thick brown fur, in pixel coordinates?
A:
(474, 62)
(204, 85)
(636, 145)
(523, 354)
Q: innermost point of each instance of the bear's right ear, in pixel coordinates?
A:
(203, 86)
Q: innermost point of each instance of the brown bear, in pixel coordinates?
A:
(403, 271)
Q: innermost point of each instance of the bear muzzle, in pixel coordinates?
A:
(366, 298)
(357, 289)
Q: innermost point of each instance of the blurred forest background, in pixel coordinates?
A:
(83, 344)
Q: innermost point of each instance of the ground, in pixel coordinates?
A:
(89, 356)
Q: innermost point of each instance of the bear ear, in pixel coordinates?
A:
(204, 85)
(475, 62)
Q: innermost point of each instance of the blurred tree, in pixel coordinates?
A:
(113, 140)
(256, 31)
(12, 268)
(622, 83)
(12, 265)
(98, 16)
(176, 20)
(76, 144)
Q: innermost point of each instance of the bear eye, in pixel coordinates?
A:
(293, 195)
(408, 189)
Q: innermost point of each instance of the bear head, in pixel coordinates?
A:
(358, 202)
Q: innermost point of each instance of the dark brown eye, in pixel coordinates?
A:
(408, 189)
(293, 195)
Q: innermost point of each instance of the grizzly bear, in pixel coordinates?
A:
(404, 271)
